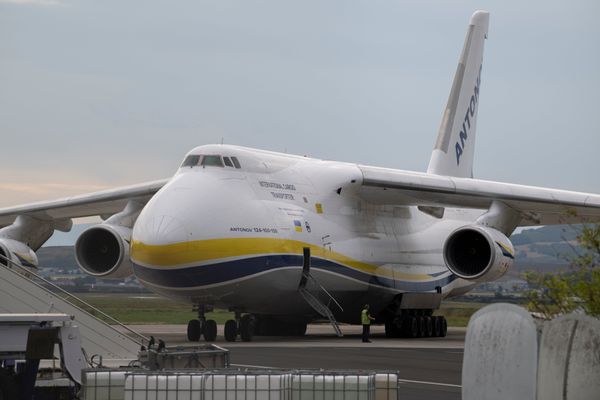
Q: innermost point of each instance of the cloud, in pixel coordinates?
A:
(17, 193)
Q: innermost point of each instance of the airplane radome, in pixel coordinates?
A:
(282, 240)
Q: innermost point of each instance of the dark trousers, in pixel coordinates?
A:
(366, 332)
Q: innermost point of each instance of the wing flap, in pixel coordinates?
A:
(537, 205)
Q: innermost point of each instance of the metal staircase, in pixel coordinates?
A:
(312, 300)
(24, 291)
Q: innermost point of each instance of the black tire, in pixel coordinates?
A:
(8, 385)
(389, 329)
(300, 329)
(230, 330)
(428, 326)
(437, 326)
(420, 326)
(194, 330)
(247, 328)
(444, 327)
(411, 327)
(210, 330)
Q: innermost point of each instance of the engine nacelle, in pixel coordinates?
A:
(478, 253)
(103, 251)
(17, 252)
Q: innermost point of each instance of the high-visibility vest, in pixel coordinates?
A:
(364, 317)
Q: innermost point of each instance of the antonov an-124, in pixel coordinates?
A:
(282, 240)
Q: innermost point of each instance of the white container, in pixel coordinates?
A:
(569, 358)
(332, 387)
(163, 386)
(247, 387)
(386, 386)
(104, 385)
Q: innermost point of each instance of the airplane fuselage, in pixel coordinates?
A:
(234, 237)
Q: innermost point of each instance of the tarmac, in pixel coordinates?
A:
(429, 368)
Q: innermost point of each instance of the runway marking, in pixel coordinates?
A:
(429, 383)
(252, 366)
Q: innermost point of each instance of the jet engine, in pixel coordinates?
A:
(103, 251)
(18, 252)
(478, 253)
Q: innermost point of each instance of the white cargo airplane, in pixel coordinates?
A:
(283, 240)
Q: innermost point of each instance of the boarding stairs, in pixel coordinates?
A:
(24, 291)
(321, 308)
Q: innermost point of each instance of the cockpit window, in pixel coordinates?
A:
(227, 162)
(191, 161)
(211, 161)
(236, 162)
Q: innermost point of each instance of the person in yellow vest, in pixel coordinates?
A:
(365, 319)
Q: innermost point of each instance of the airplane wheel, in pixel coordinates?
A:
(247, 328)
(444, 327)
(194, 330)
(420, 326)
(210, 330)
(411, 328)
(230, 330)
(8, 386)
(437, 326)
(389, 329)
(300, 328)
(428, 326)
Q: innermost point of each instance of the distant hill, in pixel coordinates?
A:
(549, 245)
(57, 257)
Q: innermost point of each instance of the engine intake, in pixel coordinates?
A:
(478, 253)
(103, 251)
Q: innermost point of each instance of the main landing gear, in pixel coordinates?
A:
(201, 326)
(246, 326)
(416, 324)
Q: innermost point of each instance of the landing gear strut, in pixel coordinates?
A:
(201, 326)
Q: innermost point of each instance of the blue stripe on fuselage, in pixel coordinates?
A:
(219, 273)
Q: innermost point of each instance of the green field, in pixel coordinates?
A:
(151, 309)
(147, 309)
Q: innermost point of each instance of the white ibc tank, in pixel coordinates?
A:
(500, 360)
(247, 387)
(386, 386)
(332, 387)
(104, 385)
(569, 366)
(163, 386)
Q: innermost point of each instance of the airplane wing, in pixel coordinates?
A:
(538, 206)
(105, 202)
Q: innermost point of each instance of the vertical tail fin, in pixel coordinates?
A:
(454, 149)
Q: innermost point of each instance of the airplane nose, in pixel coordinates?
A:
(160, 229)
(165, 218)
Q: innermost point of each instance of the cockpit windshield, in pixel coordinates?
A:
(211, 161)
(194, 160)
(191, 161)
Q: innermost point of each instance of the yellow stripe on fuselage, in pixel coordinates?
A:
(185, 253)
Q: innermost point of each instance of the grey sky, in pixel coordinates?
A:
(98, 94)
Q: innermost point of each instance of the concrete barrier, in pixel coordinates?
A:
(569, 359)
(501, 355)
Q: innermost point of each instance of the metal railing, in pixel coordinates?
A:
(26, 272)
